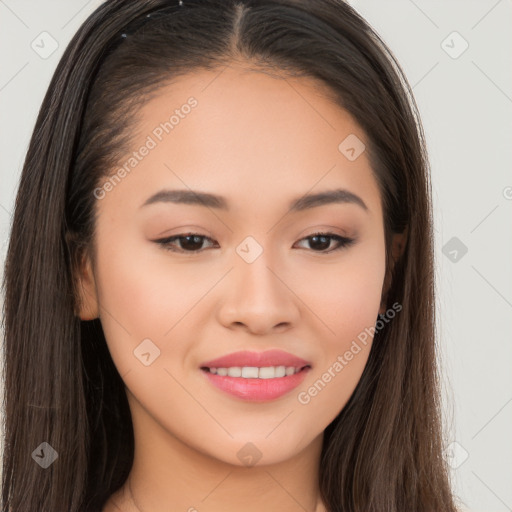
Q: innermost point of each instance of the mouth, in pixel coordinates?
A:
(256, 376)
(254, 372)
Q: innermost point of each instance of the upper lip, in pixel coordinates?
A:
(259, 359)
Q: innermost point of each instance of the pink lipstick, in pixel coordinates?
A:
(256, 376)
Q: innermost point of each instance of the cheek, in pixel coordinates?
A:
(134, 303)
(345, 302)
(133, 285)
(146, 294)
(345, 297)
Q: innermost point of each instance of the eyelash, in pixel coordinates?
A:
(344, 242)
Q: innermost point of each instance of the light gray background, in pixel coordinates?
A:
(466, 104)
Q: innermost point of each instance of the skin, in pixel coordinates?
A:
(260, 141)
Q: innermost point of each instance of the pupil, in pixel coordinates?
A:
(324, 245)
(195, 238)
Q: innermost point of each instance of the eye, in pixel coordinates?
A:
(189, 242)
(323, 240)
(192, 242)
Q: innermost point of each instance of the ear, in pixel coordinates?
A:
(398, 244)
(87, 293)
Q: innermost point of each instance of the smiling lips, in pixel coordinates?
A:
(256, 376)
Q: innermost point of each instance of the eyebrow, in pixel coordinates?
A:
(214, 201)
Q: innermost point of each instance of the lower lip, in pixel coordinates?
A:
(257, 390)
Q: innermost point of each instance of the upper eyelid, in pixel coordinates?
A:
(186, 233)
(325, 229)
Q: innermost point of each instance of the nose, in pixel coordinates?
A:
(258, 299)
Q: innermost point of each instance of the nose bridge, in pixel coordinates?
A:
(257, 295)
(255, 271)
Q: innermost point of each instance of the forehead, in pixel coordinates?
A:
(248, 135)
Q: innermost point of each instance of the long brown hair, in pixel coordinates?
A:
(383, 453)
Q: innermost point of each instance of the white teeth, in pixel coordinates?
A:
(249, 372)
(253, 372)
(280, 371)
(268, 372)
(235, 371)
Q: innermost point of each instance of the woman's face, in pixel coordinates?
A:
(254, 279)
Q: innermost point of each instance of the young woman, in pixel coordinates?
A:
(219, 284)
